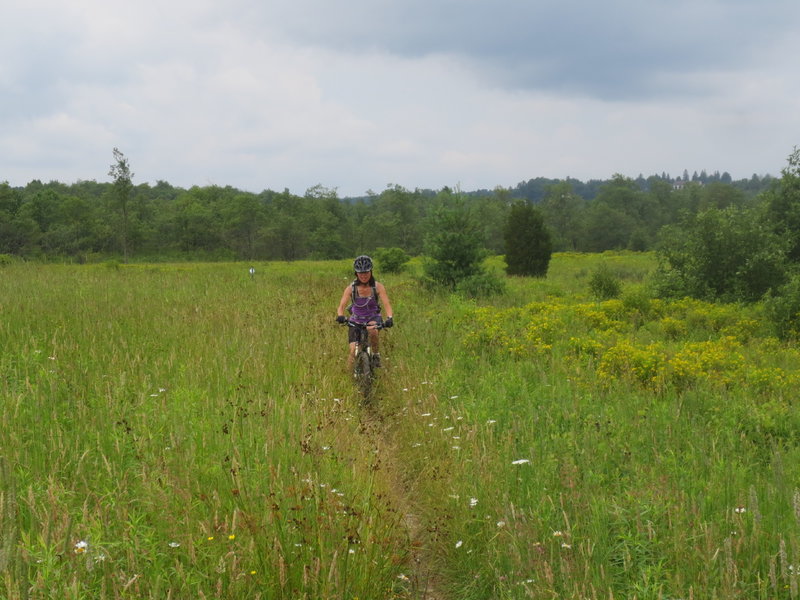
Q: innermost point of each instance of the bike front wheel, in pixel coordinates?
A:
(363, 374)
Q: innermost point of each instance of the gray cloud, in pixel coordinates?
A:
(360, 94)
(614, 49)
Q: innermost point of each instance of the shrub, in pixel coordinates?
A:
(391, 260)
(603, 284)
(782, 309)
(481, 284)
(727, 255)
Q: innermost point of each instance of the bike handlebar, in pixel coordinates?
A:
(364, 325)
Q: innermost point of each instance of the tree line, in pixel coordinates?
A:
(91, 221)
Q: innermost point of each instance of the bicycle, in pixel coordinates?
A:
(364, 361)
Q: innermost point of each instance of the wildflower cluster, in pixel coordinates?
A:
(644, 365)
(670, 355)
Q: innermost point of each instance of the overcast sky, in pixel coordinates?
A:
(359, 94)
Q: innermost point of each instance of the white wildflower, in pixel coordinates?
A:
(81, 547)
(459, 543)
(520, 461)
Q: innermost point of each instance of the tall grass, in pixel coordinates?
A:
(187, 431)
(177, 430)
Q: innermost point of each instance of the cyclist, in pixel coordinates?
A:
(363, 299)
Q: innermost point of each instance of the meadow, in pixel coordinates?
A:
(189, 431)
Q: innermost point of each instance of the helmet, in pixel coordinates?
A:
(362, 264)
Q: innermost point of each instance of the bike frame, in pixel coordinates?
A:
(363, 362)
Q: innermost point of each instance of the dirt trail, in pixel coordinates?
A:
(422, 575)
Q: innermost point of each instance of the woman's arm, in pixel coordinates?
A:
(384, 298)
(343, 302)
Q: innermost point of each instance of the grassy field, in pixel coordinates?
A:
(189, 431)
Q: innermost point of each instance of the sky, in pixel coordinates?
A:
(359, 95)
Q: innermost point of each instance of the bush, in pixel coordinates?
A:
(391, 260)
(637, 300)
(727, 255)
(782, 309)
(481, 285)
(6, 260)
(604, 284)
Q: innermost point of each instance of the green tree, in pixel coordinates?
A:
(728, 255)
(454, 247)
(562, 210)
(198, 227)
(391, 260)
(528, 246)
(120, 172)
(783, 205)
(243, 220)
(605, 228)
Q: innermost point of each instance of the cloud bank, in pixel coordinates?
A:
(359, 95)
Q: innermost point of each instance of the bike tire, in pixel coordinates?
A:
(363, 374)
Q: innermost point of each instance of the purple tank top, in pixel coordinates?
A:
(363, 310)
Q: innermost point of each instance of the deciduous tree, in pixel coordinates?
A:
(120, 172)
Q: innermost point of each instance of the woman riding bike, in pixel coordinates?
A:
(363, 299)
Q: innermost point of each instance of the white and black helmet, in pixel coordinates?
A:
(362, 264)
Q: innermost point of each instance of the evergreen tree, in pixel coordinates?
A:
(454, 247)
(527, 242)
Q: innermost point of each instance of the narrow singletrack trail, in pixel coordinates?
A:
(379, 422)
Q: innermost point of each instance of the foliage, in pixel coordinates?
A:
(783, 205)
(481, 285)
(391, 260)
(604, 284)
(528, 246)
(727, 254)
(562, 209)
(89, 221)
(782, 309)
(454, 247)
(120, 172)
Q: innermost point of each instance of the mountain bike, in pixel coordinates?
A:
(364, 361)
